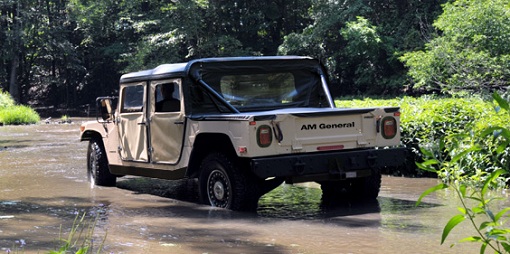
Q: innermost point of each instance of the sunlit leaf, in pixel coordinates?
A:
(82, 250)
(426, 167)
(462, 189)
(430, 190)
(454, 221)
(472, 239)
(491, 179)
(478, 210)
(430, 162)
(463, 153)
(501, 213)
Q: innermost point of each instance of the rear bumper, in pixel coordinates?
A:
(329, 165)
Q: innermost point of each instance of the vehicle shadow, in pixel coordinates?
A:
(289, 202)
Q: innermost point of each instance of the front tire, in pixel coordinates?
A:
(222, 184)
(98, 172)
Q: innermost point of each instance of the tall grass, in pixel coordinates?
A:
(10, 113)
(80, 239)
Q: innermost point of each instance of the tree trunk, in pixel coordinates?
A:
(13, 85)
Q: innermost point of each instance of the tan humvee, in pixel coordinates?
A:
(242, 126)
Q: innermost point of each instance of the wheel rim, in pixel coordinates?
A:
(218, 189)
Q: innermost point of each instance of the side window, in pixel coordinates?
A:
(167, 97)
(132, 99)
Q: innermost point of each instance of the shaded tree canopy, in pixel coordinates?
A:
(64, 53)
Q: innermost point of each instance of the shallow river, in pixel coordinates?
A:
(43, 187)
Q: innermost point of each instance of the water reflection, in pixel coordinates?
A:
(289, 202)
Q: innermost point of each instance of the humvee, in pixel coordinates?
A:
(241, 126)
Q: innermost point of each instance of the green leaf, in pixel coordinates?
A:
(454, 221)
(475, 199)
(501, 102)
(501, 213)
(427, 165)
(427, 153)
(83, 250)
(485, 224)
(501, 148)
(478, 210)
(506, 246)
(490, 214)
(462, 189)
(491, 179)
(430, 162)
(472, 239)
(430, 190)
(463, 153)
(483, 247)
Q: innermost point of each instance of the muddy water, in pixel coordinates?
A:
(43, 186)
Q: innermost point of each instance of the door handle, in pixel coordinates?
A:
(179, 122)
(142, 123)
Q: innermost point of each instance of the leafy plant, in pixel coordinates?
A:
(428, 119)
(18, 114)
(79, 239)
(5, 100)
(493, 231)
(10, 113)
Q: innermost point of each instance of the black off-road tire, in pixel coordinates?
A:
(222, 184)
(97, 165)
(360, 189)
(367, 188)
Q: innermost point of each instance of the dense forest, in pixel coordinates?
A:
(64, 53)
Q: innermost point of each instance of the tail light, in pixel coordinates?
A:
(264, 136)
(389, 127)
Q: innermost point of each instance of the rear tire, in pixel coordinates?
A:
(222, 184)
(98, 172)
(366, 188)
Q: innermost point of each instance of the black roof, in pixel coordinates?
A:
(181, 69)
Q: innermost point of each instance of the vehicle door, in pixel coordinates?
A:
(167, 121)
(132, 123)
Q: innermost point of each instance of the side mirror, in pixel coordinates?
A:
(105, 108)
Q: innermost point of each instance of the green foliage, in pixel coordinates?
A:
(10, 113)
(492, 228)
(360, 41)
(5, 100)
(470, 54)
(426, 121)
(17, 115)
